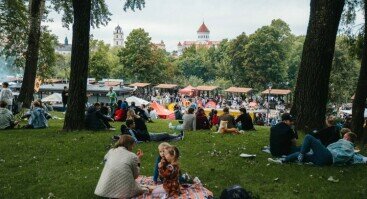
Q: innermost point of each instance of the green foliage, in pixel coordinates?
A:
(266, 53)
(294, 60)
(13, 30)
(48, 162)
(63, 66)
(196, 62)
(47, 57)
(100, 60)
(344, 74)
(142, 61)
(237, 73)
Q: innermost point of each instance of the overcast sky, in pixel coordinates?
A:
(178, 20)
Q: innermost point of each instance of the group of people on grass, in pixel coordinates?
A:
(331, 145)
(122, 168)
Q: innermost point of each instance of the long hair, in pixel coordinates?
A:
(130, 115)
(173, 151)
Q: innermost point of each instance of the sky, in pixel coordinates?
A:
(178, 20)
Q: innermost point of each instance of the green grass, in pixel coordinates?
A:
(35, 163)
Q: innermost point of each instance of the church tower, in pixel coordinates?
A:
(118, 37)
(203, 33)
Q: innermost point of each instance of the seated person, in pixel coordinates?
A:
(152, 113)
(138, 137)
(189, 122)
(28, 113)
(215, 119)
(6, 117)
(140, 125)
(330, 134)
(95, 120)
(119, 112)
(283, 138)
(178, 114)
(227, 123)
(245, 120)
(120, 170)
(340, 152)
(37, 119)
(202, 121)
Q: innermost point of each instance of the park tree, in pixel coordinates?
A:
(141, 59)
(237, 52)
(83, 14)
(293, 61)
(266, 53)
(63, 66)
(100, 60)
(311, 93)
(344, 73)
(359, 102)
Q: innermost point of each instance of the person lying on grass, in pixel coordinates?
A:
(169, 171)
(138, 137)
(120, 170)
(283, 138)
(338, 153)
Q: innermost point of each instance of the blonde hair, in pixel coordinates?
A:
(330, 120)
(164, 145)
(130, 115)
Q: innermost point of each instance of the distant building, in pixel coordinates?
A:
(161, 45)
(203, 40)
(64, 49)
(118, 37)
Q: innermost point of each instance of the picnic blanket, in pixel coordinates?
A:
(190, 191)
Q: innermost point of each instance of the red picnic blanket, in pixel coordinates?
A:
(189, 191)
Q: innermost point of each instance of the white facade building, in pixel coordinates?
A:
(118, 37)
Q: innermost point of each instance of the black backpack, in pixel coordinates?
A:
(235, 192)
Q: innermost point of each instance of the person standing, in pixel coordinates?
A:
(65, 95)
(113, 99)
(6, 95)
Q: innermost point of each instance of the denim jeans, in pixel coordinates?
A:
(321, 155)
(163, 137)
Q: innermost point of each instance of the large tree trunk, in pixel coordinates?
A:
(359, 102)
(311, 93)
(36, 8)
(74, 119)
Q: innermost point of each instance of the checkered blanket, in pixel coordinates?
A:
(189, 191)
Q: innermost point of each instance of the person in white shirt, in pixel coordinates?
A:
(6, 95)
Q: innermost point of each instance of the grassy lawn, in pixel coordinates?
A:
(43, 163)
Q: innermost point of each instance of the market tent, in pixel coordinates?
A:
(238, 90)
(162, 112)
(139, 84)
(276, 92)
(187, 90)
(138, 101)
(166, 86)
(56, 97)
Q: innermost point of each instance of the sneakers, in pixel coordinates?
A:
(300, 157)
(112, 129)
(276, 161)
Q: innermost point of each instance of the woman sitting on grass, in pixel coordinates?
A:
(330, 134)
(227, 123)
(121, 169)
(37, 120)
(202, 121)
(189, 122)
(245, 120)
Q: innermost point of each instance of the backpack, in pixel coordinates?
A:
(235, 192)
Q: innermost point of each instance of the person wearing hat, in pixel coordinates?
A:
(283, 138)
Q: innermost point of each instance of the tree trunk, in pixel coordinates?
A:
(74, 119)
(311, 93)
(36, 8)
(359, 102)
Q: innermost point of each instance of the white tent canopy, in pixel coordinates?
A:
(56, 97)
(138, 101)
